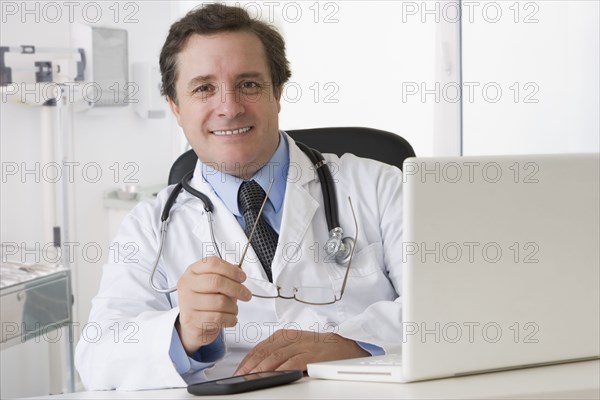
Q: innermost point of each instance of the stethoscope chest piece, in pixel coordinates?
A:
(339, 248)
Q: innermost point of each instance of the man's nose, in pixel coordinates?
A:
(230, 104)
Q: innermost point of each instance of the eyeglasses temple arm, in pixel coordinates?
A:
(353, 248)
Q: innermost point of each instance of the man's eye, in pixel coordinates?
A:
(250, 88)
(203, 89)
(250, 85)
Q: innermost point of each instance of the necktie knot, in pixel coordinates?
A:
(250, 196)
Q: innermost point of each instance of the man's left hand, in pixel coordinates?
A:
(289, 349)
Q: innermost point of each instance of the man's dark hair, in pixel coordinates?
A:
(215, 18)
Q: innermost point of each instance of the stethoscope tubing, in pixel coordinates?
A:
(329, 198)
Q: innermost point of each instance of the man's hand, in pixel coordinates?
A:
(208, 293)
(292, 349)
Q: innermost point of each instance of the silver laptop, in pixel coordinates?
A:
(501, 268)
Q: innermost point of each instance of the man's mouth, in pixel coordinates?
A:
(232, 132)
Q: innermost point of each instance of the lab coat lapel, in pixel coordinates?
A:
(229, 235)
(299, 207)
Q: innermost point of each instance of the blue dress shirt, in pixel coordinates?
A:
(226, 186)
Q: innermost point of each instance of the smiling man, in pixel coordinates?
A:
(226, 102)
(288, 303)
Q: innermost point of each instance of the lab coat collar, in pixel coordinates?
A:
(299, 207)
(301, 170)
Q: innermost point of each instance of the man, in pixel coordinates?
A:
(223, 75)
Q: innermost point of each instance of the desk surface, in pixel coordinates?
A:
(580, 380)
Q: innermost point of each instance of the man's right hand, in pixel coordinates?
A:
(208, 293)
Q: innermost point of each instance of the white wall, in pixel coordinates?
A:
(365, 58)
(349, 61)
(553, 48)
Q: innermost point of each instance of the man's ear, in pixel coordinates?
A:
(174, 109)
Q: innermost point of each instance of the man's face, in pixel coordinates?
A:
(226, 105)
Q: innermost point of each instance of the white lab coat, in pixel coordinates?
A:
(125, 344)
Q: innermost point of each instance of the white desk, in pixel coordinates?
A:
(579, 380)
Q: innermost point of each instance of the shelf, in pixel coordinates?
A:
(35, 307)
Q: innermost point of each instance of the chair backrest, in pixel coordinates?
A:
(371, 143)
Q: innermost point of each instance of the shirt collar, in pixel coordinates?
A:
(226, 186)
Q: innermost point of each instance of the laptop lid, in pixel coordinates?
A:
(501, 262)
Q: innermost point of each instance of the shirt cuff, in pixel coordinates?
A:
(371, 348)
(205, 357)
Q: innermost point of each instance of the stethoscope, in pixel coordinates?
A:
(337, 247)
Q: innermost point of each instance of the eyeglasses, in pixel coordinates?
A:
(311, 295)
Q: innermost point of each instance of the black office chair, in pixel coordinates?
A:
(362, 142)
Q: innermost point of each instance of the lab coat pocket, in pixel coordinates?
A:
(367, 281)
(365, 262)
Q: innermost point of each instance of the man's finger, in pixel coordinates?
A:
(275, 359)
(213, 302)
(213, 283)
(299, 361)
(262, 350)
(215, 265)
(255, 356)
